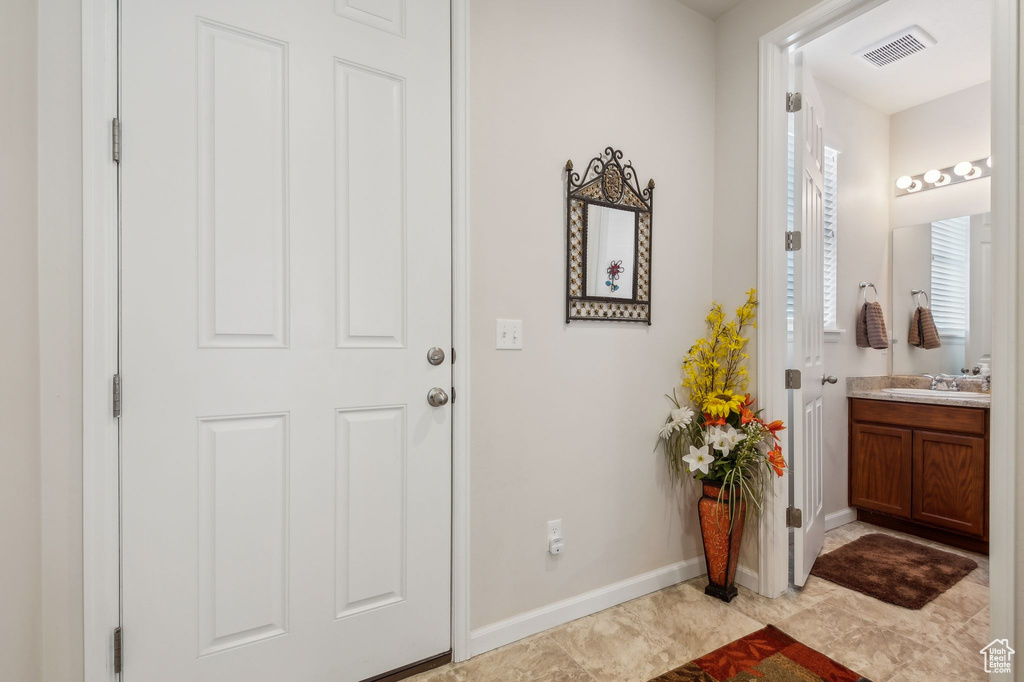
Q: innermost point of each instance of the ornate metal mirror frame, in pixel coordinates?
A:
(606, 182)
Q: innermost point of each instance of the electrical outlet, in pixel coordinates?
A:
(556, 545)
(555, 529)
(508, 335)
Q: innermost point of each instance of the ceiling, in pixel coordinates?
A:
(960, 58)
(712, 9)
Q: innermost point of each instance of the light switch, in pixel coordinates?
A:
(509, 335)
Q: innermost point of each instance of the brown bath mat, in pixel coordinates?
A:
(893, 570)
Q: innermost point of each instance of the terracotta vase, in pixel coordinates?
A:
(721, 546)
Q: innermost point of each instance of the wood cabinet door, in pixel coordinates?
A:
(949, 481)
(880, 469)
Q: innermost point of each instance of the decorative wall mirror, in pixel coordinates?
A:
(608, 218)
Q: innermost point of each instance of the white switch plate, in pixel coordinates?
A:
(508, 335)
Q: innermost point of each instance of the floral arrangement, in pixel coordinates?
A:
(721, 438)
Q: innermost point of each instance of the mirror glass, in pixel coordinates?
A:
(610, 249)
(951, 260)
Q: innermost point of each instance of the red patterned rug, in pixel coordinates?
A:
(768, 655)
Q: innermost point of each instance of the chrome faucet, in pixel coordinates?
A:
(943, 382)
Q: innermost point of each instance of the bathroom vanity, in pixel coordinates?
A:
(918, 460)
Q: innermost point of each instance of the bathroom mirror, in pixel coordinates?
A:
(608, 220)
(949, 262)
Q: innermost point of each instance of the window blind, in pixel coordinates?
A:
(790, 212)
(831, 238)
(950, 268)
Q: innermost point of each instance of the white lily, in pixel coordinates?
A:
(725, 439)
(699, 459)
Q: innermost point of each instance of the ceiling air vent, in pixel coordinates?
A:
(896, 47)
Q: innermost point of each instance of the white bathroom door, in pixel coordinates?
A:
(806, 462)
(286, 240)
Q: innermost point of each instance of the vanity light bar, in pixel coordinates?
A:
(961, 172)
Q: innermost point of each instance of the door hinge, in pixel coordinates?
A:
(117, 395)
(117, 651)
(453, 395)
(794, 518)
(115, 140)
(793, 378)
(794, 102)
(453, 356)
(793, 241)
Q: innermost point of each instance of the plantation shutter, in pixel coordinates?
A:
(950, 268)
(790, 208)
(831, 239)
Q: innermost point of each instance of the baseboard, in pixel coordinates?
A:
(840, 518)
(530, 623)
(746, 577)
(523, 625)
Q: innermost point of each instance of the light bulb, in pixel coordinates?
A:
(963, 168)
(989, 162)
(904, 181)
(915, 186)
(932, 176)
(943, 180)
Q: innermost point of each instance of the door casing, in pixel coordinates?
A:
(100, 326)
(773, 83)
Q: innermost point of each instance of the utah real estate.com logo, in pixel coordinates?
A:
(998, 656)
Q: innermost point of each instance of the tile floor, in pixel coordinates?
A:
(648, 636)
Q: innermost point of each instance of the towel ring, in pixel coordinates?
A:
(864, 288)
(916, 293)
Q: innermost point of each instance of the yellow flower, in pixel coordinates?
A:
(721, 404)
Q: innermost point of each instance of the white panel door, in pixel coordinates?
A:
(286, 241)
(807, 459)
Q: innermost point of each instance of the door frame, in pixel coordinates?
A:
(101, 542)
(773, 83)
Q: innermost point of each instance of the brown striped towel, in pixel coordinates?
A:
(923, 333)
(871, 327)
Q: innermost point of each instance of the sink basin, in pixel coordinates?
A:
(939, 395)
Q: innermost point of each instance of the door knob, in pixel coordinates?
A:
(435, 356)
(828, 380)
(437, 397)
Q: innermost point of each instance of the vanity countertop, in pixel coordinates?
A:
(872, 388)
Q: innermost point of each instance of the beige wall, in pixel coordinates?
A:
(1018, 453)
(566, 428)
(60, 338)
(937, 134)
(861, 134)
(20, 582)
(736, 86)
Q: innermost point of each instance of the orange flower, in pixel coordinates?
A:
(712, 421)
(776, 460)
(774, 428)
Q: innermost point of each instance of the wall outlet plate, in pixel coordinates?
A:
(556, 545)
(508, 335)
(554, 529)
